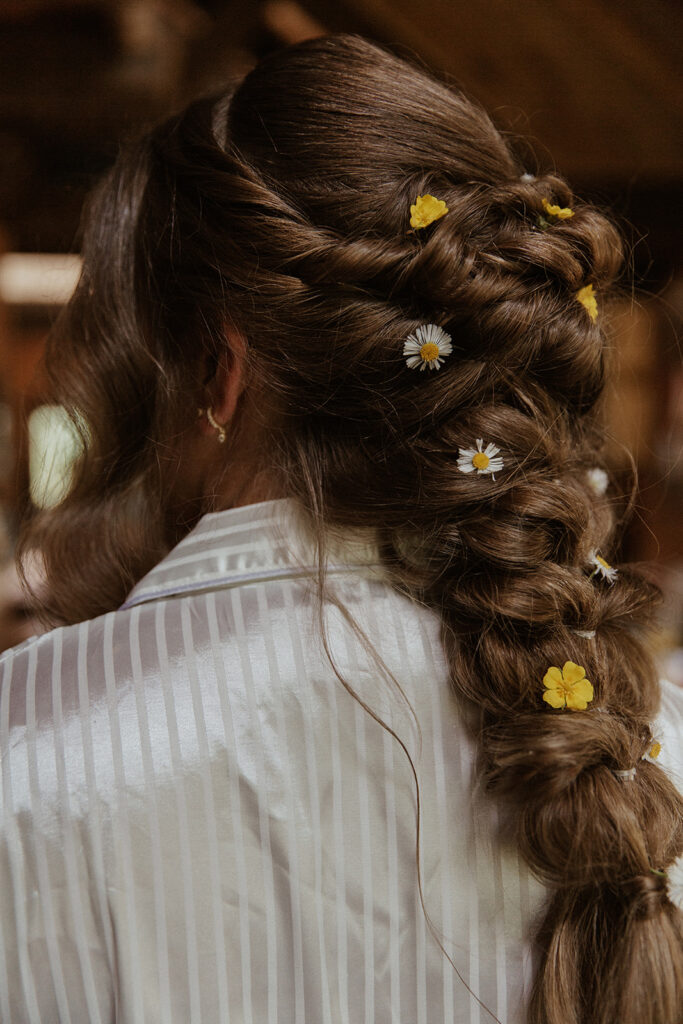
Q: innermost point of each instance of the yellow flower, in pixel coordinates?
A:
(561, 212)
(586, 296)
(426, 209)
(567, 688)
(655, 750)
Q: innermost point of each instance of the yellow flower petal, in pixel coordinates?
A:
(586, 296)
(571, 672)
(655, 750)
(425, 210)
(579, 695)
(561, 212)
(554, 698)
(553, 678)
(575, 703)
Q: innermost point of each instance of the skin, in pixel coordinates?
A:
(230, 471)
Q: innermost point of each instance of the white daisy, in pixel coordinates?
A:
(598, 481)
(427, 347)
(480, 459)
(674, 882)
(655, 748)
(602, 568)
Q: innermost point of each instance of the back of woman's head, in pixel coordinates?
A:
(283, 211)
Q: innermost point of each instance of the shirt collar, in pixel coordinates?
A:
(253, 543)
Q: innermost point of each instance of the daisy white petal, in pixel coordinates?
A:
(602, 568)
(465, 464)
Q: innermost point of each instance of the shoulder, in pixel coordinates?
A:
(668, 730)
(46, 670)
(672, 700)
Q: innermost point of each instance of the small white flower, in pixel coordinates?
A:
(480, 459)
(427, 347)
(655, 748)
(674, 882)
(602, 568)
(598, 480)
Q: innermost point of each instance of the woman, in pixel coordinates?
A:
(352, 721)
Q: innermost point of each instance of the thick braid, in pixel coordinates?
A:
(513, 585)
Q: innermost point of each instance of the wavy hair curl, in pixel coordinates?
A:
(283, 209)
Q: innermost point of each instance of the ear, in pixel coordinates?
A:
(229, 381)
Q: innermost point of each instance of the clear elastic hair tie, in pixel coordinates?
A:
(587, 634)
(624, 773)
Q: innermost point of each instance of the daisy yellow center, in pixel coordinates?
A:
(480, 461)
(602, 562)
(429, 351)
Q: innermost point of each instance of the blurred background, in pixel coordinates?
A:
(593, 85)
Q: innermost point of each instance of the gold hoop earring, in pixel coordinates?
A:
(216, 426)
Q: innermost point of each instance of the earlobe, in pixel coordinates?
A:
(230, 379)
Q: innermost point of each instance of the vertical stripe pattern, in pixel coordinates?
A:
(199, 822)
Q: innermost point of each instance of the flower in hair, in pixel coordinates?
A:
(427, 347)
(655, 748)
(674, 882)
(586, 296)
(480, 460)
(567, 687)
(559, 212)
(598, 481)
(602, 568)
(425, 210)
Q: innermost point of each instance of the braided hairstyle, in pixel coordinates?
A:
(283, 209)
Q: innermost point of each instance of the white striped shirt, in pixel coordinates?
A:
(200, 824)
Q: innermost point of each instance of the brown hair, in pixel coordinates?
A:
(283, 210)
